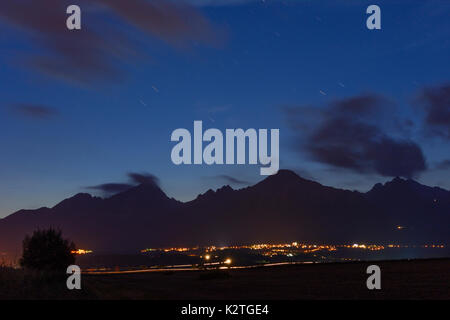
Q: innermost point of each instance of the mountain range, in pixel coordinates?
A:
(282, 207)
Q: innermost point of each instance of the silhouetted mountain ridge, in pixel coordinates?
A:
(282, 207)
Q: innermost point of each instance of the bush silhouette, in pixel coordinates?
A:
(47, 250)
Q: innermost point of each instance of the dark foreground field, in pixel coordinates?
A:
(419, 279)
(415, 279)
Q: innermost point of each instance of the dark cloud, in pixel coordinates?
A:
(436, 103)
(443, 165)
(347, 134)
(97, 51)
(110, 188)
(34, 111)
(107, 189)
(391, 157)
(143, 178)
(360, 105)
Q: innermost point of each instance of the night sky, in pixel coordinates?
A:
(93, 110)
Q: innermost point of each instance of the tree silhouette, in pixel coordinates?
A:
(47, 250)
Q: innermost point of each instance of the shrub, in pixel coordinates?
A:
(46, 250)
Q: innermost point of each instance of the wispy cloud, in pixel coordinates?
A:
(110, 188)
(97, 51)
(107, 189)
(229, 179)
(34, 111)
(143, 178)
(218, 3)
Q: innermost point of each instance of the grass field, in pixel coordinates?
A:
(415, 279)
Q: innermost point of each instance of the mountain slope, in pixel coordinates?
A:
(282, 207)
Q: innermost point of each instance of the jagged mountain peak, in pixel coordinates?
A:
(225, 188)
(211, 193)
(286, 178)
(286, 174)
(79, 200)
(145, 190)
(282, 205)
(406, 189)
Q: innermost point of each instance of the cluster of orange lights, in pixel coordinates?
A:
(269, 249)
(81, 251)
(169, 249)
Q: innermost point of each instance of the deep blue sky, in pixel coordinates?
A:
(244, 65)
